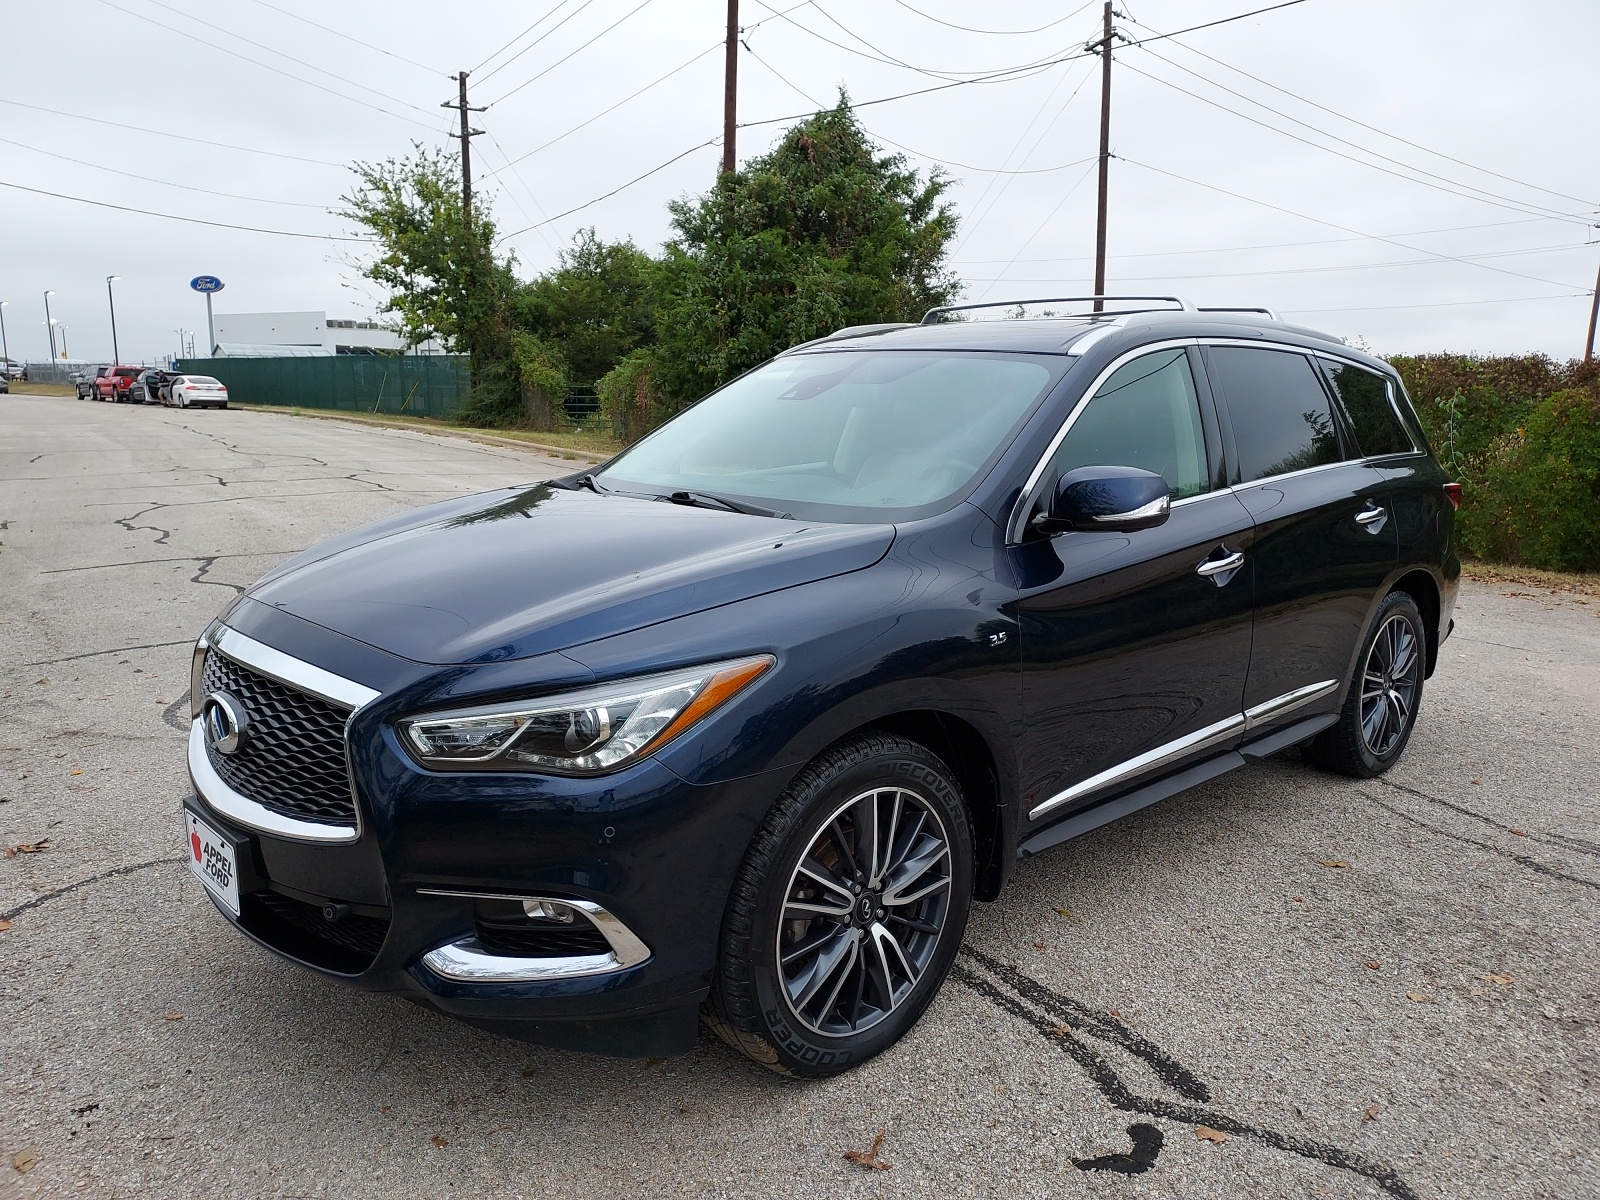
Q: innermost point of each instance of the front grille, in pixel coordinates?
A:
(541, 943)
(293, 761)
(347, 945)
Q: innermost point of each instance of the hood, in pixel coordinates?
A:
(525, 571)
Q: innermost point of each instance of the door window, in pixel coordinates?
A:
(1146, 415)
(1365, 397)
(1281, 415)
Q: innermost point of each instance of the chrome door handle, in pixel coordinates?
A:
(1221, 566)
(1371, 515)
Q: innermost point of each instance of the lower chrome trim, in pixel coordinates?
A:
(1278, 706)
(211, 788)
(467, 962)
(1150, 760)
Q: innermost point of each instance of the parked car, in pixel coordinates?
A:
(196, 391)
(5, 383)
(115, 383)
(741, 722)
(151, 387)
(87, 382)
(13, 370)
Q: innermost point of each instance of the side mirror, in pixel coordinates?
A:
(1112, 499)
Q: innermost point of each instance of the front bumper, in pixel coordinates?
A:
(398, 902)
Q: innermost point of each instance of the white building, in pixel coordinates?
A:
(312, 330)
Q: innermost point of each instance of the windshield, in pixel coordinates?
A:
(864, 436)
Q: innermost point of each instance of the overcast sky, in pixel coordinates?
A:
(1474, 233)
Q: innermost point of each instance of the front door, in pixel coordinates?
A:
(1134, 645)
(1326, 539)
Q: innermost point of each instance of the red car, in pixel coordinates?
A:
(114, 384)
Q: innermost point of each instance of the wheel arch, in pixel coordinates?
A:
(1421, 586)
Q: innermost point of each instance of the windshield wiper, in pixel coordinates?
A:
(712, 500)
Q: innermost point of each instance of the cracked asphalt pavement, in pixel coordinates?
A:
(1281, 984)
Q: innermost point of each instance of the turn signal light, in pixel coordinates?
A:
(1452, 493)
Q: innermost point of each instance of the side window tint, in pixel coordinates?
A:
(1281, 417)
(1148, 416)
(1365, 397)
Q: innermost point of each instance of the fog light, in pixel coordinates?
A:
(548, 910)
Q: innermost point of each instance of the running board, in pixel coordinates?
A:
(1151, 793)
(1131, 802)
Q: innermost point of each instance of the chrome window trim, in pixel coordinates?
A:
(215, 792)
(467, 962)
(293, 672)
(1016, 526)
(1333, 466)
(1190, 743)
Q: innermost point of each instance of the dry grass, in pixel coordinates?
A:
(18, 388)
(1586, 584)
(576, 445)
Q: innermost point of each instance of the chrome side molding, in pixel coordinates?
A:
(1191, 743)
(466, 961)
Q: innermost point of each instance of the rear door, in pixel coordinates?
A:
(1134, 645)
(1325, 534)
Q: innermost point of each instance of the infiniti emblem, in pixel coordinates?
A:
(225, 723)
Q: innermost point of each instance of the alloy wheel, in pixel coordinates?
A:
(1389, 685)
(863, 911)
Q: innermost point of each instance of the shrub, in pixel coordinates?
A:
(631, 397)
(1540, 494)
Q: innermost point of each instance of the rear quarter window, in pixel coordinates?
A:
(1365, 397)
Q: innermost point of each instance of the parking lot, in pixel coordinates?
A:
(1282, 984)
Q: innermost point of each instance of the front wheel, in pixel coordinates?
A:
(1380, 708)
(847, 911)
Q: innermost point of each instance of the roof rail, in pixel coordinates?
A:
(1270, 314)
(851, 331)
(932, 316)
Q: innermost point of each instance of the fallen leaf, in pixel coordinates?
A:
(1064, 912)
(385, 1108)
(1207, 1134)
(4, 925)
(1373, 964)
(1477, 781)
(1372, 1113)
(1419, 997)
(1038, 945)
(38, 847)
(1061, 1031)
(39, 681)
(1298, 899)
(654, 1062)
(528, 1072)
(440, 1142)
(1499, 978)
(1517, 832)
(1338, 864)
(22, 1161)
(173, 1017)
(76, 771)
(869, 1159)
(1112, 1012)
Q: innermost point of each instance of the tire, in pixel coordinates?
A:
(1381, 704)
(868, 974)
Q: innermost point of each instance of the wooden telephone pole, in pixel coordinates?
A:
(466, 135)
(730, 87)
(1594, 315)
(1104, 47)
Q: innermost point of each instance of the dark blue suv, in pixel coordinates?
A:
(740, 723)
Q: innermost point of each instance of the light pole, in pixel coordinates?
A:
(116, 356)
(50, 321)
(65, 353)
(5, 346)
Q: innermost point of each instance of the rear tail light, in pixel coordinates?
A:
(1452, 492)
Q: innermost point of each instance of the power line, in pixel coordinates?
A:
(562, 4)
(56, 112)
(1438, 304)
(517, 175)
(145, 212)
(1371, 128)
(571, 54)
(992, 32)
(257, 62)
(347, 37)
(1225, 20)
(603, 112)
(164, 182)
(1040, 229)
(1483, 197)
(1334, 225)
(612, 192)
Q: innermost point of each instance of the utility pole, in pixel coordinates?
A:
(466, 135)
(730, 88)
(1105, 159)
(50, 324)
(5, 346)
(116, 355)
(1594, 314)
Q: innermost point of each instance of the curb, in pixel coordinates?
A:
(490, 439)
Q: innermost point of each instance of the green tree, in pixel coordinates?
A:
(821, 232)
(439, 270)
(598, 304)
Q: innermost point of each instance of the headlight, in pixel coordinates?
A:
(580, 733)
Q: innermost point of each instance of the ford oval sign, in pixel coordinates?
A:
(206, 283)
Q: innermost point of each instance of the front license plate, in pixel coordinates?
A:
(211, 857)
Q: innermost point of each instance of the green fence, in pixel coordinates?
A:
(421, 385)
